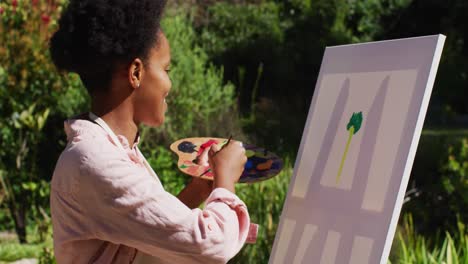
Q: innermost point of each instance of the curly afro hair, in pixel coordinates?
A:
(96, 35)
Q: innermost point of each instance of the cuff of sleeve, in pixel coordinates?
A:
(253, 233)
(225, 196)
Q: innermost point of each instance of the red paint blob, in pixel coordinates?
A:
(206, 145)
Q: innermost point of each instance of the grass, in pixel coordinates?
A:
(11, 250)
(412, 248)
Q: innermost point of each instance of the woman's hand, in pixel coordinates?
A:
(227, 164)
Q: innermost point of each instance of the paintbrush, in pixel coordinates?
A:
(227, 143)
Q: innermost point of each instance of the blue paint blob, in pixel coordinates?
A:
(186, 147)
(249, 165)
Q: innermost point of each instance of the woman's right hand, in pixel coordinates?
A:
(227, 164)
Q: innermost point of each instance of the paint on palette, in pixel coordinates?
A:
(261, 164)
(206, 145)
(186, 147)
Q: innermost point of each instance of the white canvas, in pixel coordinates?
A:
(348, 187)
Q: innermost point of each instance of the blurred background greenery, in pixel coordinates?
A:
(247, 68)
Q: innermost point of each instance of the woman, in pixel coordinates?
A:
(107, 204)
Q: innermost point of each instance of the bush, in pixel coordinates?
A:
(437, 192)
(31, 92)
(47, 256)
(234, 26)
(455, 180)
(250, 41)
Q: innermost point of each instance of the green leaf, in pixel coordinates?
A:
(29, 186)
(355, 121)
(41, 119)
(448, 186)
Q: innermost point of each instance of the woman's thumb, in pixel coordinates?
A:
(213, 149)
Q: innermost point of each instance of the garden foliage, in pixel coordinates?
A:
(31, 92)
(248, 63)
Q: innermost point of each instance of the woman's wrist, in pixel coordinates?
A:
(223, 182)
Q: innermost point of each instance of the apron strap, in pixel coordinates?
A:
(109, 131)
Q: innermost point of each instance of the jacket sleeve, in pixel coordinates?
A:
(125, 205)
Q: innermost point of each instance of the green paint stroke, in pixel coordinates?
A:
(353, 127)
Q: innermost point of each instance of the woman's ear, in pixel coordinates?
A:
(135, 73)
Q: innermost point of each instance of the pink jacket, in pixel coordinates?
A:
(108, 206)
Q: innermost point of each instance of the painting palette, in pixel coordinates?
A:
(261, 164)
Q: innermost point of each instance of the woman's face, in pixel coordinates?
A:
(150, 96)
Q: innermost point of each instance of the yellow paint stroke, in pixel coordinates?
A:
(351, 133)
